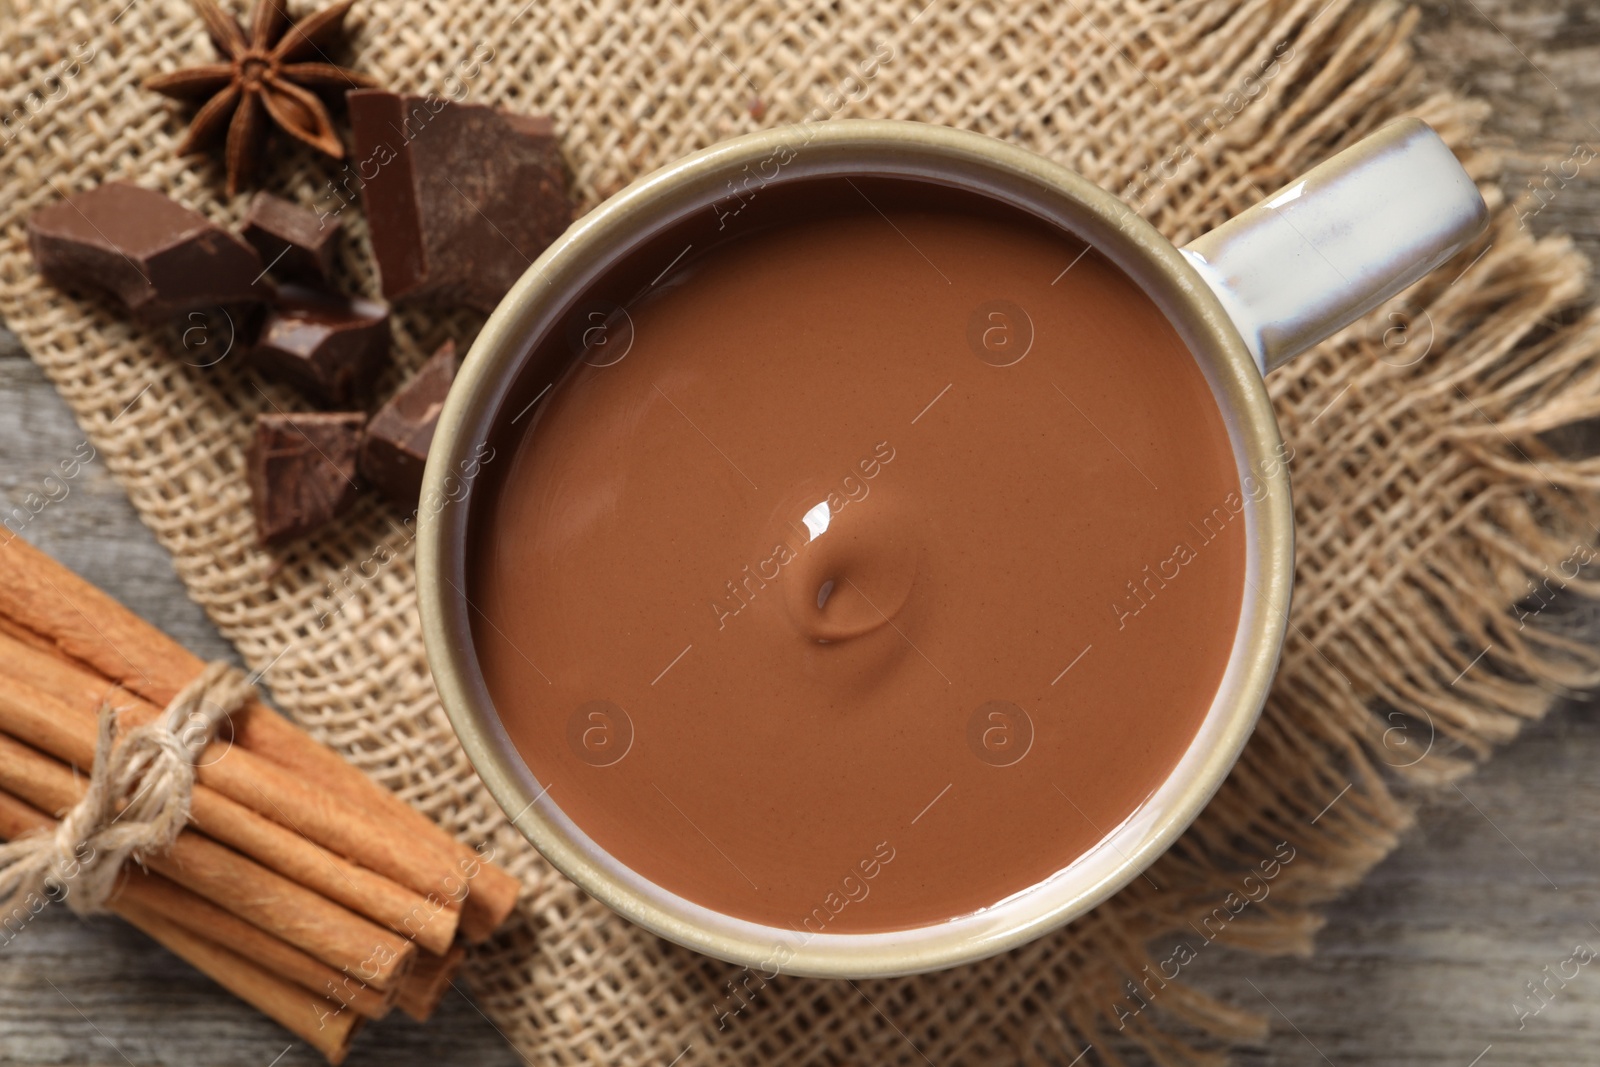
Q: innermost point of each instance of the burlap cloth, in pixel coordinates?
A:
(1429, 493)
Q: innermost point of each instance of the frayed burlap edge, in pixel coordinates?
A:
(1435, 517)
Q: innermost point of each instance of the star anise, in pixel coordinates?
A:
(267, 76)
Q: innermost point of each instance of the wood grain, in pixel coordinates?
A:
(1426, 963)
(1538, 64)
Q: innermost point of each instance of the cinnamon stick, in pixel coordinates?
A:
(492, 892)
(18, 632)
(317, 1021)
(51, 602)
(160, 896)
(424, 987)
(56, 712)
(199, 916)
(331, 933)
(266, 788)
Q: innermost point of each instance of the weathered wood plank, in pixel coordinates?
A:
(1427, 962)
(1538, 64)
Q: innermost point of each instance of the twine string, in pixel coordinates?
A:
(136, 803)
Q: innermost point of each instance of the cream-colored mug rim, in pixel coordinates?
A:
(881, 148)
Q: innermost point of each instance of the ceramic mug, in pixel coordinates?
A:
(1245, 297)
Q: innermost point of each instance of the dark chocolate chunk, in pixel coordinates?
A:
(396, 446)
(150, 252)
(302, 471)
(295, 244)
(461, 197)
(329, 347)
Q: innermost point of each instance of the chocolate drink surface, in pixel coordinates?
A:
(882, 558)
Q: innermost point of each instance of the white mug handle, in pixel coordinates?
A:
(1331, 246)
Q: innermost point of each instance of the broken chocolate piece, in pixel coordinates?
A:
(396, 446)
(147, 250)
(302, 471)
(461, 197)
(329, 347)
(295, 244)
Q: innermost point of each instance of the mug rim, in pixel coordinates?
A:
(655, 202)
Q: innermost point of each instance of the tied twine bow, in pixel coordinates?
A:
(136, 803)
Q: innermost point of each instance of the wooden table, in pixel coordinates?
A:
(1428, 962)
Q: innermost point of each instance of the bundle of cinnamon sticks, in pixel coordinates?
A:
(301, 885)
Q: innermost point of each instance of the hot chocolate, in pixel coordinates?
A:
(874, 559)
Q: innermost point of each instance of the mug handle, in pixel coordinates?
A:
(1334, 244)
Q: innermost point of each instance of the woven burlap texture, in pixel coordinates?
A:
(1427, 495)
